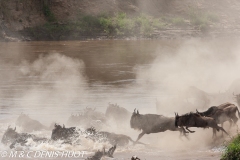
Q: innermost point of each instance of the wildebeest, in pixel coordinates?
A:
(12, 137)
(222, 113)
(213, 109)
(72, 133)
(153, 123)
(196, 120)
(89, 117)
(112, 138)
(61, 133)
(99, 154)
(117, 114)
(28, 124)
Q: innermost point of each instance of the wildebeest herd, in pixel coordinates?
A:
(146, 123)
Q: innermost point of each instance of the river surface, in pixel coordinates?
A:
(49, 81)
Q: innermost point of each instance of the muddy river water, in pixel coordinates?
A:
(49, 81)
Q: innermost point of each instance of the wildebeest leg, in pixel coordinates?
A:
(230, 122)
(214, 133)
(130, 139)
(111, 151)
(234, 118)
(139, 136)
(183, 132)
(222, 129)
(190, 130)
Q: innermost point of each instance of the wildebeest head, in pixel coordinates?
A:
(182, 120)
(135, 121)
(9, 136)
(57, 132)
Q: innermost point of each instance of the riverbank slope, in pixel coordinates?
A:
(110, 19)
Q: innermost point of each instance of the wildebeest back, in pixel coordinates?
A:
(151, 123)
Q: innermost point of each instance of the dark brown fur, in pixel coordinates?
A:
(196, 120)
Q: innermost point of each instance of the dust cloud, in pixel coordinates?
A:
(59, 81)
(205, 68)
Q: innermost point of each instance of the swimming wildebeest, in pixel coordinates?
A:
(28, 124)
(71, 134)
(12, 137)
(196, 120)
(118, 114)
(61, 133)
(222, 113)
(88, 117)
(112, 138)
(153, 123)
(99, 154)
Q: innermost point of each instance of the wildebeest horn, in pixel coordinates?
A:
(197, 111)
(134, 110)
(15, 129)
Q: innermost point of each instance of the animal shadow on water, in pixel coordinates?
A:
(196, 120)
(153, 123)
